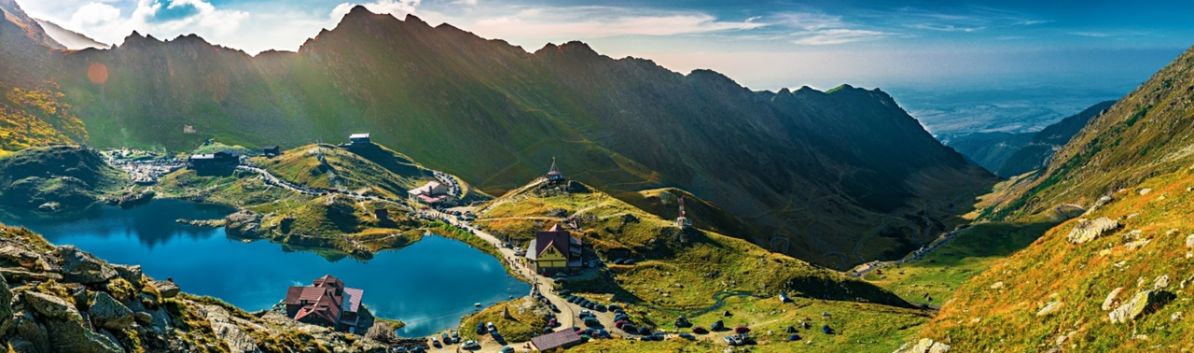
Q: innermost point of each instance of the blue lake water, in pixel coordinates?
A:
(429, 285)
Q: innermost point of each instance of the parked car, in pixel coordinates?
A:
(435, 342)
(507, 349)
(471, 345)
(447, 339)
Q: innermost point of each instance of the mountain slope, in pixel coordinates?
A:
(1147, 133)
(68, 38)
(1133, 167)
(838, 177)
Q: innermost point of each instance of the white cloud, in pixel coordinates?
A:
(583, 22)
(838, 36)
(95, 13)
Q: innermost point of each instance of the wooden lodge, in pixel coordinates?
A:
(554, 250)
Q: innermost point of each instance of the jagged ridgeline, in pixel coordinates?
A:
(836, 177)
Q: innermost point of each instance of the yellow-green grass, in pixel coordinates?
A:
(526, 319)
(674, 270)
(999, 308)
(857, 327)
(933, 278)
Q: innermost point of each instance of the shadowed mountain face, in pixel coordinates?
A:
(835, 177)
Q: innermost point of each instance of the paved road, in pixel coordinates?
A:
(567, 316)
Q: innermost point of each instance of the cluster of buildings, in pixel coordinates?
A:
(144, 169)
(327, 302)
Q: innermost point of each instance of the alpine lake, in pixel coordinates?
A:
(430, 285)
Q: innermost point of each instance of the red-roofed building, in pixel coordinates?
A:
(554, 250)
(327, 302)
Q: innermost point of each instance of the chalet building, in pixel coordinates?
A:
(361, 139)
(682, 220)
(214, 161)
(431, 193)
(327, 302)
(554, 250)
(553, 174)
(271, 151)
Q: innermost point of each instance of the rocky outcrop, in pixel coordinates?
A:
(244, 224)
(65, 325)
(925, 345)
(133, 198)
(1087, 230)
(5, 305)
(108, 313)
(1141, 304)
(166, 289)
(61, 299)
(79, 266)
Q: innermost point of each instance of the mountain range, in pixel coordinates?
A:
(836, 177)
(1008, 154)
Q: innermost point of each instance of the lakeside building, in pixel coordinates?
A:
(554, 250)
(360, 139)
(214, 161)
(271, 151)
(431, 193)
(327, 302)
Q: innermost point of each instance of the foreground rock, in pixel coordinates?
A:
(1141, 304)
(62, 299)
(1087, 230)
(925, 345)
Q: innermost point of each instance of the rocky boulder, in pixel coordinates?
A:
(244, 224)
(48, 306)
(1087, 230)
(925, 345)
(1141, 304)
(108, 313)
(11, 255)
(79, 266)
(166, 289)
(5, 305)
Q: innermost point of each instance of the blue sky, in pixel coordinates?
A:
(1109, 45)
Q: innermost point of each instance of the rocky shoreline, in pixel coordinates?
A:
(62, 299)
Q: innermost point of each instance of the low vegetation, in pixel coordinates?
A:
(516, 320)
(1058, 294)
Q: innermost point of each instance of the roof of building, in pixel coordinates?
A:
(555, 237)
(562, 338)
(358, 136)
(430, 188)
(325, 299)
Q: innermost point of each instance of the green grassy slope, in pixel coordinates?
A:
(704, 262)
(1001, 309)
(56, 178)
(677, 273)
(1060, 293)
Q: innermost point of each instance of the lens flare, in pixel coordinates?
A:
(97, 73)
